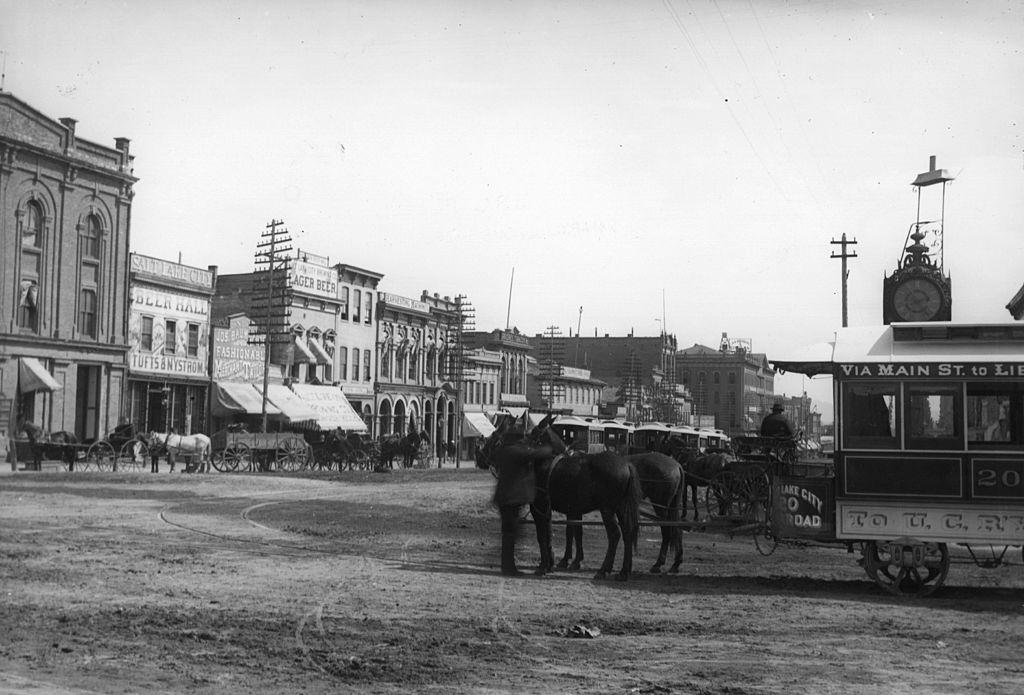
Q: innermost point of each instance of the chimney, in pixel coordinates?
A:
(69, 123)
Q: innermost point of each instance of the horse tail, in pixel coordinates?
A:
(631, 510)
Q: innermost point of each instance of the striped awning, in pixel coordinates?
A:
(293, 407)
(234, 397)
(476, 425)
(331, 406)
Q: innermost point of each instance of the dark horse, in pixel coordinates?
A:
(574, 486)
(701, 468)
(408, 447)
(662, 482)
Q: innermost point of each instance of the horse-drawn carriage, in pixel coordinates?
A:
(237, 450)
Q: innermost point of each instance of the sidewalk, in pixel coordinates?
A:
(58, 467)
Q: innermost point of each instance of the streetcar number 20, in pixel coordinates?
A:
(990, 477)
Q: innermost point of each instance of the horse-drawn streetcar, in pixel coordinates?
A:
(929, 450)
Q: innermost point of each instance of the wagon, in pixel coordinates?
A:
(114, 453)
(243, 451)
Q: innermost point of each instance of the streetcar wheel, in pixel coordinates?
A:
(231, 458)
(906, 568)
(100, 457)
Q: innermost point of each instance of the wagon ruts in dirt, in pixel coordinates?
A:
(259, 451)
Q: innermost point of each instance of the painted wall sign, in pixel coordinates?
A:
(234, 359)
(315, 280)
(930, 370)
(946, 523)
(404, 302)
(176, 273)
(168, 333)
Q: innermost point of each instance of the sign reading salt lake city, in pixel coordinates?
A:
(930, 370)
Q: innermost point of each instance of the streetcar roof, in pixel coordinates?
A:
(937, 341)
(573, 421)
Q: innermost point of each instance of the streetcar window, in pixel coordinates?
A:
(994, 415)
(933, 417)
(869, 416)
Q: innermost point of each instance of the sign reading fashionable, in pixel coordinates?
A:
(930, 370)
(317, 280)
(234, 359)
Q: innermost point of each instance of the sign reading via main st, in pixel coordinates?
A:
(930, 370)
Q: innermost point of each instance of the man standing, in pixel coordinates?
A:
(516, 486)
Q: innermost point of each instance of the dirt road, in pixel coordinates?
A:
(382, 583)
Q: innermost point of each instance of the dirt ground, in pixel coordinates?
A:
(388, 582)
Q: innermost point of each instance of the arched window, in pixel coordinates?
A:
(32, 231)
(91, 238)
(89, 243)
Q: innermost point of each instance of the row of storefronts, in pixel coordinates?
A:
(93, 336)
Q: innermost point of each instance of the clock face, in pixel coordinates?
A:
(917, 299)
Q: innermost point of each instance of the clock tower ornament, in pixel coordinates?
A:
(919, 289)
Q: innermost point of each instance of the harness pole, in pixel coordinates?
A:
(846, 273)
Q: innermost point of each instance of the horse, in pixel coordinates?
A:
(193, 445)
(63, 446)
(570, 485)
(662, 481)
(701, 468)
(407, 446)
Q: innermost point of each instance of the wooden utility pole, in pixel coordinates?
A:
(272, 298)
(844, 255)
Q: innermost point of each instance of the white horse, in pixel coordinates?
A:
(192, 445)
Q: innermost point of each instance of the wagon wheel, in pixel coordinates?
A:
(232, 458)
(906, 569)
(100, 456)
(754, 502)
(132, 456)
(722, 498)
(292, 455)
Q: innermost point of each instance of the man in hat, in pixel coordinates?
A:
(776, 424)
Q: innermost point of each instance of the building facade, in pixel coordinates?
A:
(639, 372)
(168, 346)
(733, 386)
(65, 218)
(514, 350)
(416, 354)
(572, 391)
(357, 338)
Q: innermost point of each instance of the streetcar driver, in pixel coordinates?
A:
(776, 424)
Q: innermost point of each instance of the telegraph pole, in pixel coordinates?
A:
(844, 255)
(272, 300)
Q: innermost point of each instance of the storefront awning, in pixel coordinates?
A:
(318, 350)
(293, 407)
(514, 411)
(34, 376)
(302, 351)
(233, 398)
(332, 407)
(476, 425)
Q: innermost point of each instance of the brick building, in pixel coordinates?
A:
(65, 211)
(734, 386)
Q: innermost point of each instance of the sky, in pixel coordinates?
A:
(601, 167)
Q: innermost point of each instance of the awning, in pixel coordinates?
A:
(515, 411)
(332, 407)
(535, 419)
(476, 425)
(231, 398)
(318, 350)
(302, 351)
(34, 376)
(293, 407)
